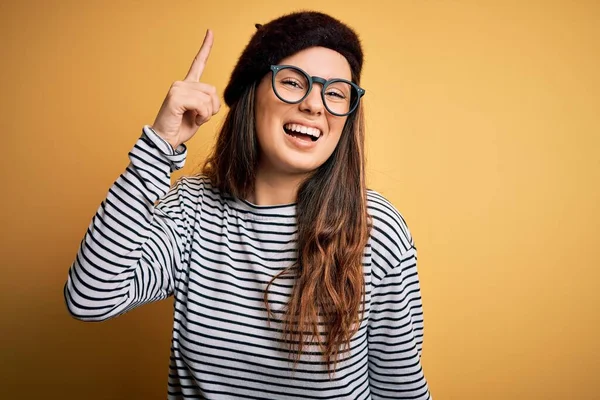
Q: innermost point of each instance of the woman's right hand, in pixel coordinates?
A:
(189, 103)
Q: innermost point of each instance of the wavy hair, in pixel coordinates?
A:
(333, 229)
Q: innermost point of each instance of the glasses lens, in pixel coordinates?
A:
(340, 97)
(290, 84)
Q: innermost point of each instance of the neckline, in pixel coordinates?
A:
(267, 212)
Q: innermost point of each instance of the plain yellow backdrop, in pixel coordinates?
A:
(482, 124)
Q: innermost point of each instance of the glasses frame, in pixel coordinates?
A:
(315, 79)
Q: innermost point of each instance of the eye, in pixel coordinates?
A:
(335, 94)
(291, 83)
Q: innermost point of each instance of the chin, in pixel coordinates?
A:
(294, 165)
(300, 168)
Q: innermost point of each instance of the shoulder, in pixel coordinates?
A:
(192, 190)
(391, 240)
(194, 183)
(387, 220)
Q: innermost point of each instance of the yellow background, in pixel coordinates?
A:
(482, 130)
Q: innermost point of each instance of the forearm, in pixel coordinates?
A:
(125, 241)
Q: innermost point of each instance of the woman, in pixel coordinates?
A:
(291, 279)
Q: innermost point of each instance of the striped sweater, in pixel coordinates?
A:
(215, 254)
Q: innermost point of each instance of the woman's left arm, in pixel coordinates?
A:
(395, 334)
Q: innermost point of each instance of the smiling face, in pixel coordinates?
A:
(285, 132)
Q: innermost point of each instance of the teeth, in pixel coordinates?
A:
(314, 132)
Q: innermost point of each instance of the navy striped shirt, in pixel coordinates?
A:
(215, 254)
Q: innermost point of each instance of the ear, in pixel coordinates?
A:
(258, 26)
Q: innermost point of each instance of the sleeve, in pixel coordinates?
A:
(396, 334)
(133, 246)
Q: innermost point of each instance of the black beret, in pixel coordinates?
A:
(286, 36)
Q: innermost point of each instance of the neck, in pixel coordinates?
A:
(272, 188)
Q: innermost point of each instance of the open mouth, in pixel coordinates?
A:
(302, 132)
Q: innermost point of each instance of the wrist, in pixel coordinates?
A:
(174, 144)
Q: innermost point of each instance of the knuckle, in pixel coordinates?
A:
(201, 119)
(199, 101)
(174, 89)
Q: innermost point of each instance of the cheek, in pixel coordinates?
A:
(336, 126)
(261, 108)
(267, 126)
(268, 112)
(263, 121)
(260, 121)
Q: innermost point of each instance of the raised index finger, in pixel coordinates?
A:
(199, 62)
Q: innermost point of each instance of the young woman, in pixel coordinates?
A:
(291, 279)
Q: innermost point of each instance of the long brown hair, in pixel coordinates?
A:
(333, 229)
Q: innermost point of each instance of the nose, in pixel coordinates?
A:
(313, 103)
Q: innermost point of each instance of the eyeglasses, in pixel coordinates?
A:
(292, 85)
